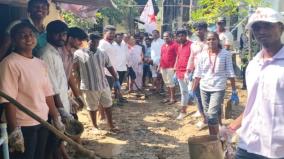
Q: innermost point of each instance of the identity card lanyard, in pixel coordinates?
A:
(212, 65)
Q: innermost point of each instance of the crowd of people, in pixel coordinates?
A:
(46, 69)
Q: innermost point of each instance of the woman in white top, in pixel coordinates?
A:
(213, 69)
(135, 63)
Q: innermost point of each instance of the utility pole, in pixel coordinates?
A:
(162, 18)
(190, 10)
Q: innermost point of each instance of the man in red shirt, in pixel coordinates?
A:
(167, 63)
(183, 54)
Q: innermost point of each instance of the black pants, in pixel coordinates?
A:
(244, 76)
(35, 138)
(121, 75)
(52, 145)
(131, 73)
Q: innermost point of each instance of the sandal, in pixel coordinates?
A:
(98, 131)
(114, 130)
(201, 125)
(131, 91)
(165, 101)
(172, 102)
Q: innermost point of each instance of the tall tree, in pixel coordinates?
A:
(124, 14)
(73, 20)
(209, 10)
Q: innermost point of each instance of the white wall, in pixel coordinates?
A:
(279, 6)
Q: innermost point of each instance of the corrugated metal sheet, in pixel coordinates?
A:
(92, 3)
(96, 3)
(17, 3)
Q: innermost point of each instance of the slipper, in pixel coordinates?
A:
(102, 121)
(119, 104)
(201, 125)
(98, 131)
(172, 102)
(165, 101)
(123, 100)
(114, 130)
(152, 89)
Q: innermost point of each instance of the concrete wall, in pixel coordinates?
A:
(54, 14)
(279, 6)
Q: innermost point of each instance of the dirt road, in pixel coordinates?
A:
(149, 130)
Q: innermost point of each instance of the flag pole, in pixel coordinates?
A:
(162, 18)
(190, 10)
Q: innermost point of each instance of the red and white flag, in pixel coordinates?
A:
(148, 17)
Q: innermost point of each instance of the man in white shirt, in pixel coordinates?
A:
(122, 50)
(125, 39)
(156, 46)
(260, 127)
(225, 36)
(106, 46)
(56, 38)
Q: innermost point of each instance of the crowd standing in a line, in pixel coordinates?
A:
(45, 69)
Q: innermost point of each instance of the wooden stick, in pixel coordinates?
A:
(80, 148)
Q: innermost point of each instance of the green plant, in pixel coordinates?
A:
(209, 10)
(72, 20)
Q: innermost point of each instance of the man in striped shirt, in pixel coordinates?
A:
(93, 83)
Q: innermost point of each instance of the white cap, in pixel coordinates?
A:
(265, 15)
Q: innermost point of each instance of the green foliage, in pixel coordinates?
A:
(119, 15)
(100, 20)
(72, 20)
(209, 10)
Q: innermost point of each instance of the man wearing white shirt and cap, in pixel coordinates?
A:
(261, 126)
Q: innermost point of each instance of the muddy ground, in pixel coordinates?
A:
(149, 129)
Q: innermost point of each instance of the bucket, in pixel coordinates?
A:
(205, 147)
(74, 129)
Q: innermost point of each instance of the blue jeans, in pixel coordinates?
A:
(147, 71)
(198, 99)
(243, 154)
(35, 138)
(212, 104)
(184, 92)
